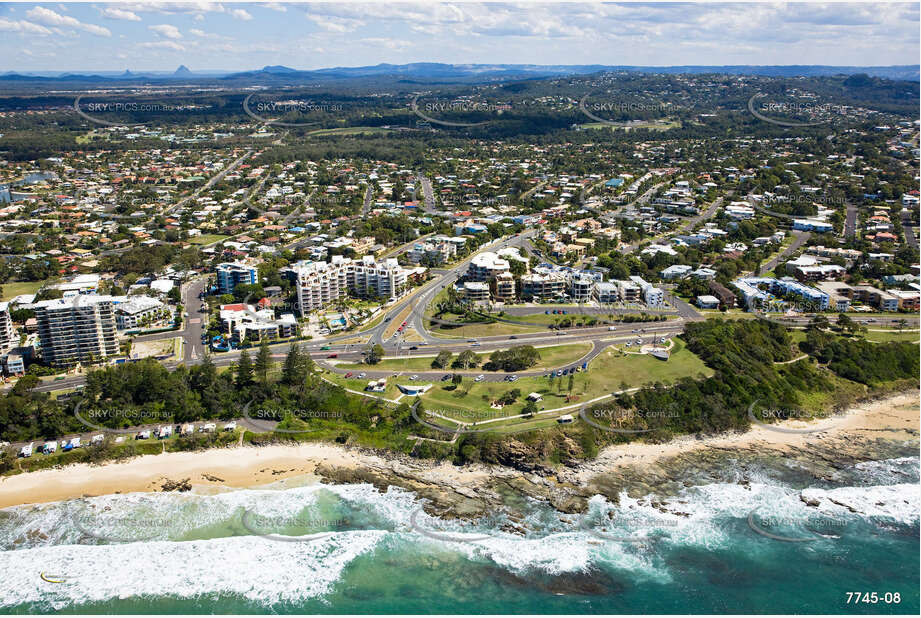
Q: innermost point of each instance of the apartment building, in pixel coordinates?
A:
(8, 337)
(726, 296)
(882, 300)
(244, 322)
(318, 284)
(321, 283)
(369, 278)
(232, 274)
(651, 294)
(486, 266)
(751, 290)
(581, 288)
(76, 329)
(839, 294)
(505, 287)
(606, 292)
(542, 286)
(137, 312)
(629, 291)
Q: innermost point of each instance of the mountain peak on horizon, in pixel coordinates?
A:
(277, 68)
(182, 70)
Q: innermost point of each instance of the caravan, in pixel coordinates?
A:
(165, 432)
(26, 451)
(71, 444)
(50, 447)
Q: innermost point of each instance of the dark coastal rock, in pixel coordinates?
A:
(170, 485)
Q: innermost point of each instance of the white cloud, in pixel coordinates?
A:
(113, 12)
(50, 18)
(164, 45)
(241, 14)
(167, 31)
(335, 24)
(7, 25)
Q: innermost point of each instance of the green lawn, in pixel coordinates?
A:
(893, 335)
(607, 373)
(11, 290)
(207, 239)
(550, 357)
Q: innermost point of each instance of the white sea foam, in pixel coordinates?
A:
(256, 569)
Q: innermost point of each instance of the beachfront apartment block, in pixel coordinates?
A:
(486, 266)
(246, 323)
(76, 329)
(232, 274)
(542, 286)
(321, 283)
(750, 287)
(581, 288)
(369, 278)
(651, 294)
(138, 312)
(8, 337)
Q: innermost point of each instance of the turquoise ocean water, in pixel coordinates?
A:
(770, 544)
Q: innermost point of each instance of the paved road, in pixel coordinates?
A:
(850, 221)
(911, 236)
(366, 205)
(428, 194)
(211, 182)
(686, 225)
(801, 238)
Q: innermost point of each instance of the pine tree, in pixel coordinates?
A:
(244, 371)
(291, 370)
(263, 362)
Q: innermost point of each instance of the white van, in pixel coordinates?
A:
(50, 447)
(566, 418)
(26, 451)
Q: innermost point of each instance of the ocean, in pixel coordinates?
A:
(769, 543)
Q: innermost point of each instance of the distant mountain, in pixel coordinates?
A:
(278, 69)
(431, 72)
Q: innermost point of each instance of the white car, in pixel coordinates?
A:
(413, 377)
(479, 378)
(230, 426)
(361, 375)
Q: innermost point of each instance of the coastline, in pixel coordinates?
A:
(470, 489)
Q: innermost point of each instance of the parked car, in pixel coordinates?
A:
(446, 377)
(26, 451)
(333, 356)
(97, 439)
(479, 378)
(49, 447)
(361, 375)
(349, 374)
(142, 435)
(230, 426)
(413, 377)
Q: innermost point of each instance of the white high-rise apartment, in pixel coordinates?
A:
(76, 329)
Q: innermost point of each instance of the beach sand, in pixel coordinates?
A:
(895, 418)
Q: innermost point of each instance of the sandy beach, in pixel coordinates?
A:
(895, 418)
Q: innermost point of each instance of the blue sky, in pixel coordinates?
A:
(242, 36)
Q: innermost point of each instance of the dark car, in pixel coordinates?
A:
(415, 347)
(513, 337)
(446, 377)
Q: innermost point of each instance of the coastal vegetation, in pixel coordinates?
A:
(745, 361)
